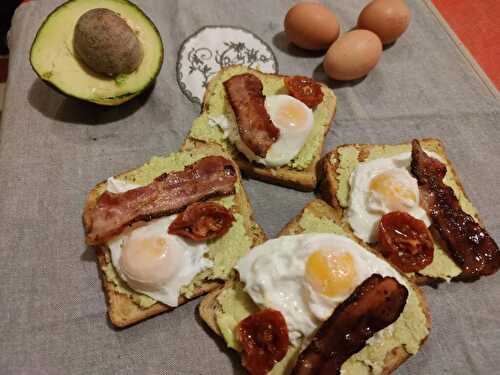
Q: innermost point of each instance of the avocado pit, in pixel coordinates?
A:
(106, 44)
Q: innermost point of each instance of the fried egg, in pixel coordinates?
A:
(307, 276)
(294, 119)
(153, 262)
(378, 187)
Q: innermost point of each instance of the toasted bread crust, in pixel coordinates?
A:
(302, 180)
(328, 188)
(209, 305)
(122, 311)
(208, 308)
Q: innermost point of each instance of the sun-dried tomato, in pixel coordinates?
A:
(202, 221)
(405, 241)
(305, 89)
(264, 338)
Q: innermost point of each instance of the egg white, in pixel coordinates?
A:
(114, 185)
(189, 255)
(274, 277)
(288, 144)
(364, 214)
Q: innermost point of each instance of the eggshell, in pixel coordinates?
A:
(353, 55)
(387, 18)
(311, 26)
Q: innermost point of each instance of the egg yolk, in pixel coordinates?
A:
(395, 193)
(147, 262)
(331, 274)
(291, 116)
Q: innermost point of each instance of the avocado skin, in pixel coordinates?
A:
(107, 101)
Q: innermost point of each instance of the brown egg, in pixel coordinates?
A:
(386, 18)
(353, 55)
(311, 26)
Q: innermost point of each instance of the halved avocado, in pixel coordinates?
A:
(54, 59)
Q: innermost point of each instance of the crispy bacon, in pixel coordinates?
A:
(469, 245)
(202, 221)
(168, 193)
(373, 305)
(254, 124)
(305, 89)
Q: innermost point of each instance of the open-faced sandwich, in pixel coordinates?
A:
(407, 202)
(272, 125)
(314, 301)
(169, 231)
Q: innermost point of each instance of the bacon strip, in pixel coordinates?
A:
(168, 193)
(373, 305)
(254, 124)
(469, 245)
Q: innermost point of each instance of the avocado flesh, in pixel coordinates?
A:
(54, 60)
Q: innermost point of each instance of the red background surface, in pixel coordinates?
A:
(477, 24)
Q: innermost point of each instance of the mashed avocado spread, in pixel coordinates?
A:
(408, 331)
(224, 252)
(442, 265)
(217, 105)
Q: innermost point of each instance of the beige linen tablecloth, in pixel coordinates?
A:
(54, 149)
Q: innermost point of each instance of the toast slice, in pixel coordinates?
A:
(336, 167)
(382, 355)
(125, 306)
(300, 173)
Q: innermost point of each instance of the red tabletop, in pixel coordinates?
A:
(476, 24)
